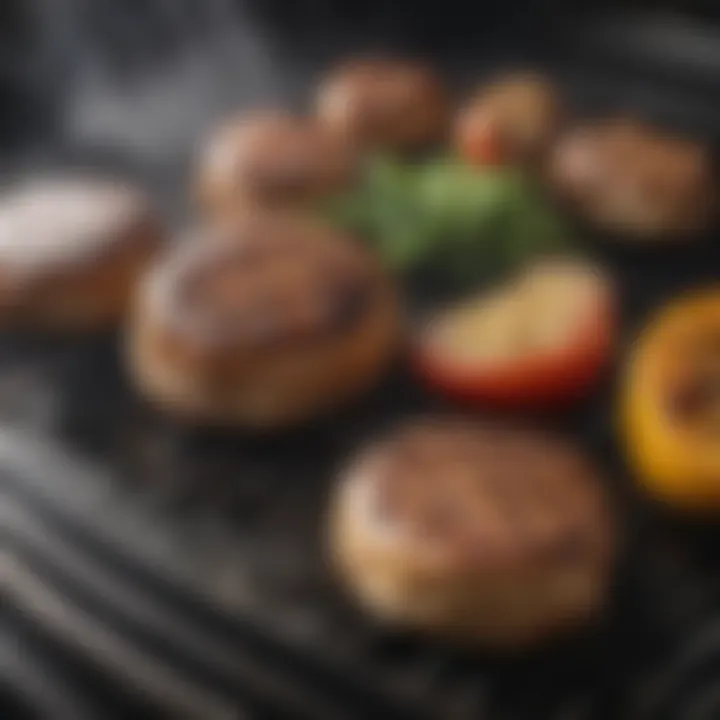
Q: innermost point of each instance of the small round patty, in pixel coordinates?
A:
(384, 104)
(272, 159)
(497, 535)
(624, 176)
(266, 283)
(263, 319)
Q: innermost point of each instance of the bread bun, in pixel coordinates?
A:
(524, 112)
(70, 252)
(622, 176)
(271, 160)
(263, 325)
(384, 104)
(485, 535)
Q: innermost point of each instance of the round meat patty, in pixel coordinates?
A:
(70, 251)
(623, 176)
(483, 534)
(263, 324)
(271, 160)
(384, 104)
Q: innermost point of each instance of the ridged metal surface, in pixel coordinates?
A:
(153, 571)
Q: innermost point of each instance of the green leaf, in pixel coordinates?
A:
(450, 218)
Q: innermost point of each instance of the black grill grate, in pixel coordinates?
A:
(243, 519)
(219, 537)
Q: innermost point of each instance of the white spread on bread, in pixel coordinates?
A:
(58, 223)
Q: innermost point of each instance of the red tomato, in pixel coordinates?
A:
(479, 140)
(541, 340)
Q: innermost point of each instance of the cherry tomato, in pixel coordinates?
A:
(479, 139)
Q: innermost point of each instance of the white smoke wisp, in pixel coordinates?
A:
(221, 64)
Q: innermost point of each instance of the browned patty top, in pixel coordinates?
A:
(384, 101)
(264, 282)
(491, 494)
(670, 176)
(272, 157)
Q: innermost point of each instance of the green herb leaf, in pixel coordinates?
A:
(450, 218)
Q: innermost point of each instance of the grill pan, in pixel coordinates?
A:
(153, 571)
